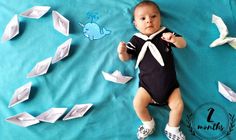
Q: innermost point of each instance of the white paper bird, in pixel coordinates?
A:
(223, 33)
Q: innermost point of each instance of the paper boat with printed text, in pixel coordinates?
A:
(21, 94)
(23, 119)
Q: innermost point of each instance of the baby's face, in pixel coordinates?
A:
(147, 19)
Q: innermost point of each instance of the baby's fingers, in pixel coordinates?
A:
(122, 44)
(122, 47)
(166, 36)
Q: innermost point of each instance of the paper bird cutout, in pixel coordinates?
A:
(52, 115)
(60, 23)
(11, 30)
(227, 92)
(223, 33)
(40, 68)
(116, 77)
(35, 12)
(77, 111)
(20, 95)
(23, 119)
(62, 51)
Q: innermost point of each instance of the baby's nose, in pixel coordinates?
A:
(148, 20)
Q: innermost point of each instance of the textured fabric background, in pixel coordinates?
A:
(78, 78)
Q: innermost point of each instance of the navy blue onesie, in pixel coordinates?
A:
(159, 81)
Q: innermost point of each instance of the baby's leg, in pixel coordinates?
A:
(140, 102)
(176, 105)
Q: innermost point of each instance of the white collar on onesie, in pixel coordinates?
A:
(148, 44)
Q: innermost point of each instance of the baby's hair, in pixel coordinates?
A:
(145, 2)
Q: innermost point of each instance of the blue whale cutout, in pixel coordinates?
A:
(93, 31)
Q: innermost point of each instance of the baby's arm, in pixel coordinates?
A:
(178, 41)
(122, 52)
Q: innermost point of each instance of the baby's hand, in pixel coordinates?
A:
(121, 49)
(169, 37)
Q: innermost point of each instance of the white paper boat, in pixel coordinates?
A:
(77, 111)
(12, 29)
(227, 92)
(23, 119)
(35, 12)
(21, 94)
(62, 51)
(52, 115)
(60, 23)
(116, 77)
(40, 68)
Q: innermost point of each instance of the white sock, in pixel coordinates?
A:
(172, 129)
(149, 124)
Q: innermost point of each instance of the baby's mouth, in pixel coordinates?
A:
(149, 27)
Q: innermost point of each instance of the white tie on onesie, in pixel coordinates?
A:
(148, 44)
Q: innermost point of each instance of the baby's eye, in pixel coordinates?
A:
(142, 18)
(153, 16)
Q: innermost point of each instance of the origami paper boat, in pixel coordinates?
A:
(23, 119)
(11, 30)
(60, 23)
(62, 51)
(21, 94)
(40, 68)
(116, 77)
(35, 12)
(51, 115)
(77, 111)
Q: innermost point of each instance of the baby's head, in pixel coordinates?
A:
(147, 17)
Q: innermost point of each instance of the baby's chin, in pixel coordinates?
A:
(150, 31)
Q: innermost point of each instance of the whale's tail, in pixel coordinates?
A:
(105, 31)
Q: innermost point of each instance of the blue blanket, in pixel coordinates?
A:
(78, 78)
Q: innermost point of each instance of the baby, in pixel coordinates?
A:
(158, 84)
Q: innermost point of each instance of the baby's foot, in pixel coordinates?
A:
(144, 132)
(174, 135)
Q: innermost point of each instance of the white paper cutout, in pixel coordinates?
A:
(35, 12)
(40, 68)
(77, 111)
(227, 92)
(12, 29)
(21, 94)
(223, 33)
(23, 119)
(116, 77)
(51, 115)
(62, 51)
(60, 23)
